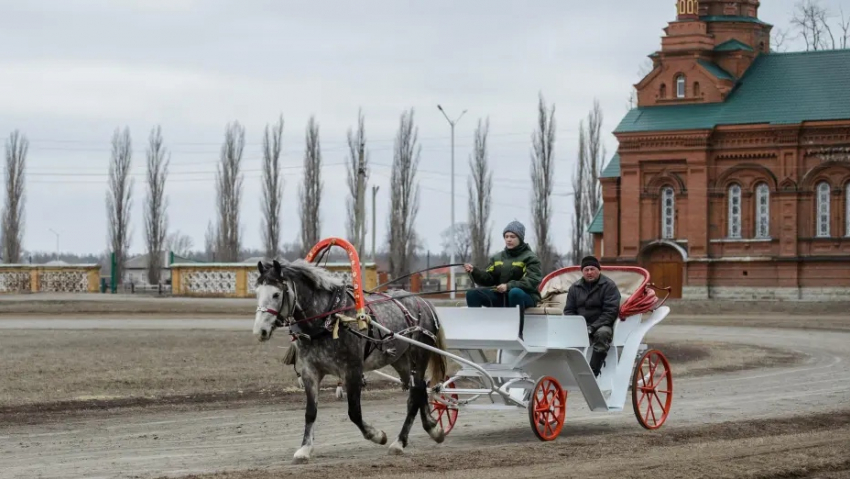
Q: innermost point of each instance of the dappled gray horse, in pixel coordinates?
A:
(305, 298)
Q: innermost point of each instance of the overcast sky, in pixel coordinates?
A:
(74, 70)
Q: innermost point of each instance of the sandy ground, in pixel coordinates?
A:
(785, 421)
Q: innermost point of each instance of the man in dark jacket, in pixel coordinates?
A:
(515, 273)
(597, 298)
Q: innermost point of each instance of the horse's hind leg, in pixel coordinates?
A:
(353, 387)
(417, 400)
(428, 422)
(311, 386)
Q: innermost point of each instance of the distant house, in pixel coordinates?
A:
(136, 269)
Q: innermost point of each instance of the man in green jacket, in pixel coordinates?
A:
(515, 273)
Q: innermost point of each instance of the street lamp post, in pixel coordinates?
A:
(452, 230)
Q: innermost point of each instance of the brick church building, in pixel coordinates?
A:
(732, 175)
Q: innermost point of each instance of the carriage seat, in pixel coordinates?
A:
(553, 289)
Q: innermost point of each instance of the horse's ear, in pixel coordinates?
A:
(277, 268)
(260, 267)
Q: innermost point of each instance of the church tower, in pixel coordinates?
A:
(703, 52)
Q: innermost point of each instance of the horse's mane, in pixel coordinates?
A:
(318, 277)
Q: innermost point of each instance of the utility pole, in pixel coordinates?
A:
(374, 193)
(57, 242)
(453, 241)
(360, 217)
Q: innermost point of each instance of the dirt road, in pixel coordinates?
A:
(158, 441)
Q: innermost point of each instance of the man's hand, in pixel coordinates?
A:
(468, 267)
(502, 288)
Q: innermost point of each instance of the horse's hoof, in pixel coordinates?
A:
(396, 448)
(302, 455)
(437, 434)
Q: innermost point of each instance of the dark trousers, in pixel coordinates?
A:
(491, 299)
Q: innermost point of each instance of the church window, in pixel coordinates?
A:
(762, 211)
(822, 210)
(734, 200)
(662, 91)
(696, 89)
(668, 212)
(680, 86)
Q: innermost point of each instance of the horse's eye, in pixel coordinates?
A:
(276, 295)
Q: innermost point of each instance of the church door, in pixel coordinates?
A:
(665, 268)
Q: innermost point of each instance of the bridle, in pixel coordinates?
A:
(291, 298)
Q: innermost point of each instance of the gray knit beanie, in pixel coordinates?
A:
(516, 228)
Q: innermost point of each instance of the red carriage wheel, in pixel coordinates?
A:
(446, 415)
(547, 408)
(652, 389)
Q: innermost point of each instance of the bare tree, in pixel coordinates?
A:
(579, 201)
(778, 37)
(480, 197)
(404, 197)
(272, 189)
(461, 234)
(210, 242)
(587, 189)
(156, 219)
(229, 193)
(811, 21)
(542, 172)
(13, 209)
(357, 176)
(844, 26)
(119, 200)
(179, 243)
(311, 190)
(595, 153)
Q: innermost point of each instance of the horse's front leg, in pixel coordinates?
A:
(353, 387)
(311, 380)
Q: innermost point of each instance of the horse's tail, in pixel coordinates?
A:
(437, 362)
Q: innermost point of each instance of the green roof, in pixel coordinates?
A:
(731, 18)
(715, 70)
(596, 222)
(612, 170)
(778, 88)
(732, 45)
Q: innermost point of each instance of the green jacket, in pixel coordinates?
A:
(518, 268)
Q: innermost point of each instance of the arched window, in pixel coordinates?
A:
(822, 222)
(668, 212)
(680, 86)
(662, 91)
(696, 89)
(734, 200)
(847, 209)
(762, 211)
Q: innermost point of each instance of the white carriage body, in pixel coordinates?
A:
(552, 344)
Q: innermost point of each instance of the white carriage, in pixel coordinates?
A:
(545, 355)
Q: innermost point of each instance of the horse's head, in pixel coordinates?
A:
(276, 300)
(287, 294)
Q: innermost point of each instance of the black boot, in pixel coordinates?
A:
(597, 360)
